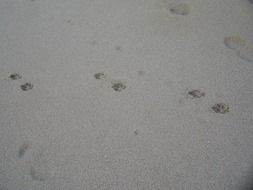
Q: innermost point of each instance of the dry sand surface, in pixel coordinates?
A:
(126, 94)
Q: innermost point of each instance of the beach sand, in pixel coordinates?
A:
(126, 94)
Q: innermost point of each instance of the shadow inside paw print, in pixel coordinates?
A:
(196, 93)
(118, 86)
(27, 86)
(15, 76)
(220, 108)
(100, 75)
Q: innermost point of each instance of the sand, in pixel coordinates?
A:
(126, 95)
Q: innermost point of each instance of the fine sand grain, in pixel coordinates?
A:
(126, 94)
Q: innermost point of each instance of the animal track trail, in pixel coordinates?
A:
(220, 108)
(25, 86)
(116, 85)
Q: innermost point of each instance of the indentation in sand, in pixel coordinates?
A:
(38, 174)
(246, 53)
(100, 75)
(22, 150)
(118, 85)
(15, 76)
(243, 49)
(196, 93)
(27, 86)
(180, 8)
(234, 42)
(41, 167)
(141, 73)
(118, 48)
(221, 108)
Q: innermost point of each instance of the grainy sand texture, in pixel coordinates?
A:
(126, 94)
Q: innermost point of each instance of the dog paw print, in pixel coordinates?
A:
(118, 86)
(15, 76)
(100, 75)
(196, 93)
(27, 86)
(220, 108)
